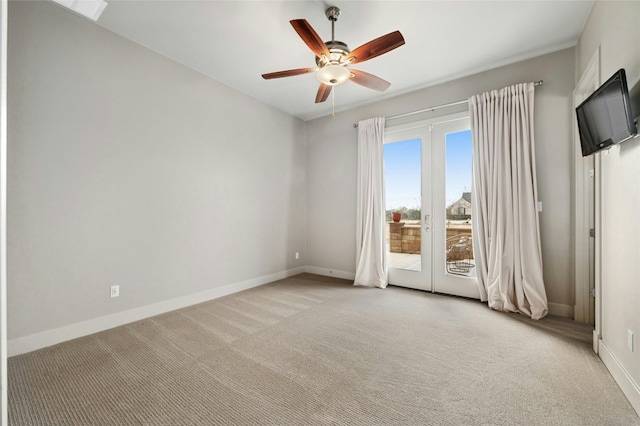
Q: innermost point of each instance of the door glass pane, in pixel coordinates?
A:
(459, 247)
(402, 174)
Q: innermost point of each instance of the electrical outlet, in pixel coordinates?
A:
(115, 291)
(297, 255)
(630, 342)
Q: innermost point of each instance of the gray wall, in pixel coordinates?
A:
(615, 27)
(128, 168)
(331, 165)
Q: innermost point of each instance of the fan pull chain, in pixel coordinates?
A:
(333, 103)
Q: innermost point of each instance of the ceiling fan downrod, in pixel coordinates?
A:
(332, 12)
(338, 50)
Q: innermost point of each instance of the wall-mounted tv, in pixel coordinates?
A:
(605, 117)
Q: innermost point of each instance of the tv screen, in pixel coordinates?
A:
(605, 117)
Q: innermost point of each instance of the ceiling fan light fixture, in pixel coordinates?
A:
(332, 74)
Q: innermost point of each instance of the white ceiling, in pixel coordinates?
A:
(236, 41)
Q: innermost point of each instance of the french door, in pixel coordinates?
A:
(428, 185)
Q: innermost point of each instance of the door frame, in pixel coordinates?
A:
(3, 213)
(586, 196)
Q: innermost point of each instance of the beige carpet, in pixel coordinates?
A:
(315, 350)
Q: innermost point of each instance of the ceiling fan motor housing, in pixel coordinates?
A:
(338, 52)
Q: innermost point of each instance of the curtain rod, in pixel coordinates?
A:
(407, 114)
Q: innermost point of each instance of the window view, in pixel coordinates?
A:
(402, 165)
(458, 175)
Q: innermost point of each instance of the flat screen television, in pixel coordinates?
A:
(605, 117)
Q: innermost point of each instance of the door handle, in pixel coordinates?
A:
(427, 222)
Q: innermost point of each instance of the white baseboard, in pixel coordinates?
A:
(51, 337)
(622, 377)
(330, 272)
(561, 310)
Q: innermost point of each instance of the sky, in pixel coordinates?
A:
(402, 170)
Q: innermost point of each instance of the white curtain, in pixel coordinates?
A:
(371, 262)
(505, 217)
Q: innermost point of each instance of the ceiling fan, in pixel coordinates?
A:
(333, 58)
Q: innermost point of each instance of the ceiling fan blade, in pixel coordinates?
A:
(288, 73)
(323, 92)
(310, 37)
(369, 80)
(376, 47)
